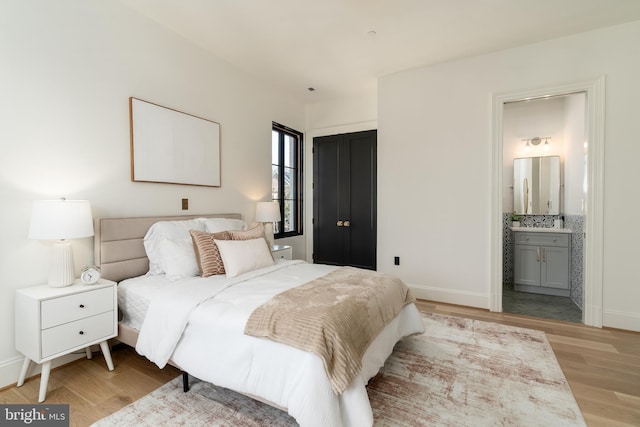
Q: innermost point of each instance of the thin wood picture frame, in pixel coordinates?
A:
(172, 147)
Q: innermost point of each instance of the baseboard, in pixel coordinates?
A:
(621, 320)
(450, 296)
(10, 369)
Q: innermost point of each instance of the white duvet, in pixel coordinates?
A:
(199, 323)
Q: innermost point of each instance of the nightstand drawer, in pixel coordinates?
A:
(77, 334)
(281, 252)
(69, 308)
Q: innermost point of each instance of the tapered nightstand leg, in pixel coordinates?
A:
(104, 346)
(44, 380)
(23, 372)
(89, 353)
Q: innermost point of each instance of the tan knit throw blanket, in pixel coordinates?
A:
(335, 317)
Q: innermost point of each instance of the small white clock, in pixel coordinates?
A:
(90, 275)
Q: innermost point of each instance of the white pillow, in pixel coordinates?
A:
(178, 259)
(215, 225)
(242, 256)
(167, 230)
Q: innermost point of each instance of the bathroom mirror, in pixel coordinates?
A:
(536, 185)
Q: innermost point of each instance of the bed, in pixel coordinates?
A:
(197, 324)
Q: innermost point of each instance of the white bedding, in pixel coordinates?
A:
(199, 324)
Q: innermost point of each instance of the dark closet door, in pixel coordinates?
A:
(344, 199)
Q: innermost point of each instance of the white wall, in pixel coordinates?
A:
(575, 150)
(68, 69)
(434, 163)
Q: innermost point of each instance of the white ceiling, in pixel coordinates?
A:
(326, 44)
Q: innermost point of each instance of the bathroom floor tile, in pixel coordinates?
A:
(545, 306)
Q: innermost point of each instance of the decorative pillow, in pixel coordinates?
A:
(207, 253)
(178, 259)
(166, 230)
(242, 256)
(253, 233)
(215, 225)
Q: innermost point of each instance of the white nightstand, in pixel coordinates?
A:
(282, 252)
(53, 322)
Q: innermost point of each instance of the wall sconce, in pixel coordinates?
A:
(268, 213)
(61, 220)
(534, 142)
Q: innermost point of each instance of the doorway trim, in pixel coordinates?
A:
(594, 207)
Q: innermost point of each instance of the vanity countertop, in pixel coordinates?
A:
(542, 229)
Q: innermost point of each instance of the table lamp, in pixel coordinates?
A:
(61, 220)
(268, 213)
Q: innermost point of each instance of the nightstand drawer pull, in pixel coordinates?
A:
(81, 305)
(81, 332)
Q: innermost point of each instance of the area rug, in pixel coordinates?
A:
(460, 372)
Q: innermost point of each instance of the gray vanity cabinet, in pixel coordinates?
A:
(542, 262)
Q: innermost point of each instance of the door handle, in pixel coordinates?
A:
(340, 223)
(544, 255)
(347, 223)
(538, 254)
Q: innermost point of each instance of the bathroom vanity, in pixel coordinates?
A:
(542, 260)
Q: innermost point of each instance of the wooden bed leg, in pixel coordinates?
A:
(185, 381)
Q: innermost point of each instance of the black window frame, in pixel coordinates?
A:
(298, 197)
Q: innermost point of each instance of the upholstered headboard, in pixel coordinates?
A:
(119, 247)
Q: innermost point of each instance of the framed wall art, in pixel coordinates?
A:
(173, 147)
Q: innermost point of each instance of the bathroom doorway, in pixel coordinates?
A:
(592, 206)
(544, 169)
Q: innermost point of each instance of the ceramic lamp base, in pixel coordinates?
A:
(61, 271)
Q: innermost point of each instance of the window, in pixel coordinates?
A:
(286, 179)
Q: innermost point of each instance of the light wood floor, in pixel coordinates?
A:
(601, 365)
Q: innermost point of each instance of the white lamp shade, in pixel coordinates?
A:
(267, 212)
(61, 219)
